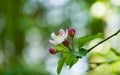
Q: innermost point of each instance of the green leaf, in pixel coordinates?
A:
(83, 52)
(70, 59)
(62, 48)
(60, 65)
(73, 61)
(67, 57)
(76, 53)
(85, 39)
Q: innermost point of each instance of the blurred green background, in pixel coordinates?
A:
(26, 25)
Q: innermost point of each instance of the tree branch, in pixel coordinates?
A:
(104, 40)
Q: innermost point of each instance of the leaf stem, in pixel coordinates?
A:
(64, 47)
(63, 52)
(69, 48)
(104, 40)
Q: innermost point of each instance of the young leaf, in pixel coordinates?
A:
(76, 53)
(70, 59)
(85, 39)
(67, 57)
(60, 65)
(83, 52)
(62, 48)
(73, 61)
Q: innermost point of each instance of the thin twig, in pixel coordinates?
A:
(104, 40)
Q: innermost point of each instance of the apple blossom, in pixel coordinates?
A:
(59, 38)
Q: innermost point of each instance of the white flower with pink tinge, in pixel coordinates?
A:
(59, 38)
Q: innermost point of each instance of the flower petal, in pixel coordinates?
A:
(60, 40)
(53, 42)
(61, 32)
(66, 33)
(54, 36)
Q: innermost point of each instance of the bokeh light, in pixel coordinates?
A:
(98, 9)
(115, 2)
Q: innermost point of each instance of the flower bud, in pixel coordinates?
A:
(65, 42)
(52, 50)
(71, 32)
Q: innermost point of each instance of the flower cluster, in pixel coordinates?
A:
(61, 38)
(63, 42)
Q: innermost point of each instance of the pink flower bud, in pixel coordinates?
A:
(65, 42)
(52, 50)
(71, 32)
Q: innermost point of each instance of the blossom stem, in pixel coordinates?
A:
(72, 44)
(104, 40)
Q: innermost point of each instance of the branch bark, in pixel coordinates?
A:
(104, 40)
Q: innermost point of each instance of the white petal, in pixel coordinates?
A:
(54, 36)
(62, 32)
(66, 33)
(60, 41)
(53, 42)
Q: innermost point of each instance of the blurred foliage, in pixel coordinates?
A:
(12, 39)
(19, 17)
(106, 64)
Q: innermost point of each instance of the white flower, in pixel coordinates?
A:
(59, 38)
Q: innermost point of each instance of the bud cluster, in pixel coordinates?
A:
(61, 38)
